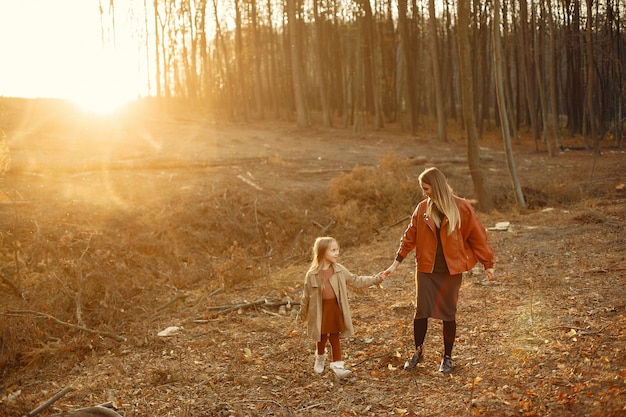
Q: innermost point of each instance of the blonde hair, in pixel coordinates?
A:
(320, 247)
(442, 197)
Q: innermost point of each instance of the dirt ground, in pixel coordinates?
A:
(113, 230)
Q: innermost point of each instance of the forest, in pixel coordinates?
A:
(547, 66)
(152, 259)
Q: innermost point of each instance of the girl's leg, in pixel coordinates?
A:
(335, 345)
(449, 334)
(321, 345)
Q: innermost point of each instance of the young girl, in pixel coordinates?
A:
(324, 303)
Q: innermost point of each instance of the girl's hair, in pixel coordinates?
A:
(443, 197)
(320, 247)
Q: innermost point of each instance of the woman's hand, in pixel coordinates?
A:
(387, 272)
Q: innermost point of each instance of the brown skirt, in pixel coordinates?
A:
(332, 319)
(437, 295)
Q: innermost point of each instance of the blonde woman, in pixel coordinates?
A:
(324, 305)
(449, 239)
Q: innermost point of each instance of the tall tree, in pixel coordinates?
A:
(467, 98)
(541, 78)
(407, 72)
(526, 57)
(370, 45)
(241, 84)
(590, 66)
(499, 70)
(434, 50)
(321, 73)
(256, 51)
(296, 66)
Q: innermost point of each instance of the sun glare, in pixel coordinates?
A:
(59, 52)
(106, 86)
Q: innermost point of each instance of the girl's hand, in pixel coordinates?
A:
(490, 273)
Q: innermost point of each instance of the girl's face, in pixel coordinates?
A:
(332, 253)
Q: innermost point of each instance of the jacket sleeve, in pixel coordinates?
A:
(361, 281)
(304, 300)
(476, 236)
(409, 238)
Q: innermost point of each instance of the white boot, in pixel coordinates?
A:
(340, 371)
(320, 360)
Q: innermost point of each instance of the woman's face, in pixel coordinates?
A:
(332, 253)
(428, 191)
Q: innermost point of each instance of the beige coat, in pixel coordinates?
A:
(311, 303)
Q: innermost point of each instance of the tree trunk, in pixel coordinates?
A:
(434, 48)
(321, 74)
(467, 97)
(241, 84)
(296, 67)
(157, 48)
(502, 104)
(223, 68)
(528, 74)
(554, 80)
(256, 54)
(408, 70)
(541, 82)
(369, 30)
(593, 121)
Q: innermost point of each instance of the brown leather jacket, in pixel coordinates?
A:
(462, 249)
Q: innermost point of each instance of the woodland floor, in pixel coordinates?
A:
(546, 338)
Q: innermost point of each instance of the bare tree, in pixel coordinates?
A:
(407, 71)
(296, 66)
(434, 50)
(371, 50)
(590, 67)
(502, 103)
(321, 73)
(467, 97)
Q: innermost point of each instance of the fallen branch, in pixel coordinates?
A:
(324, 228)
(261, 302)
(211, 294)
(11, 285)
(402, 220)
(48, 403)
(38, 314)
(271, 313)
(172, 301)
(96, 411)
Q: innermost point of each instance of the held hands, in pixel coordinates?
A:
(387, 272)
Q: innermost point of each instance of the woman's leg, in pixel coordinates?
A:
(420, 326)
(449, 334)
(419, 334)
(335, 345)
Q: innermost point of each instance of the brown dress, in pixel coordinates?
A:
(332, 319)
(438, 292)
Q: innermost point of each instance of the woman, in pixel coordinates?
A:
(449, 239)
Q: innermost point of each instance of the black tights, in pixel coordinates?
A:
(420, 326)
